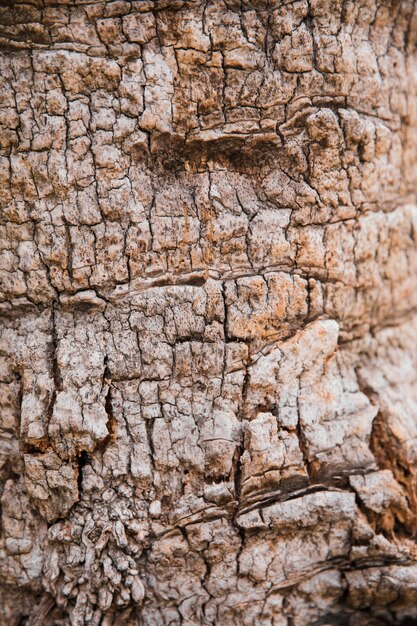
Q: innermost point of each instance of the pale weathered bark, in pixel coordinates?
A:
(209, 327)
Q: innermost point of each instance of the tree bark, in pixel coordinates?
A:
(209, 272)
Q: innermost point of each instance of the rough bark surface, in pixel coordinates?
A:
(209, 272)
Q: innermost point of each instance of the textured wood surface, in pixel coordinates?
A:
(208, 308)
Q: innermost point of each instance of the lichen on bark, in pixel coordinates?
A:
(208, 312)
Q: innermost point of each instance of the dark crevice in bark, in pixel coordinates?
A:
(387, 452)
(388, 455)
(42, 611)
(81, 462)
(108, 406)
(236, 471)
(56, 374)
(111, 422)
(149, 425)
(285, 497)
(302, 442)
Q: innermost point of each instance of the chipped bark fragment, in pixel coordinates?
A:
(208, 312)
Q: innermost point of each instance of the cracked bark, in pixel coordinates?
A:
(208, 312)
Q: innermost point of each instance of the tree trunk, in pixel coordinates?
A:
(209, 297)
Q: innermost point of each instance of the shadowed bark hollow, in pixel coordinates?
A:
(208, 363)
